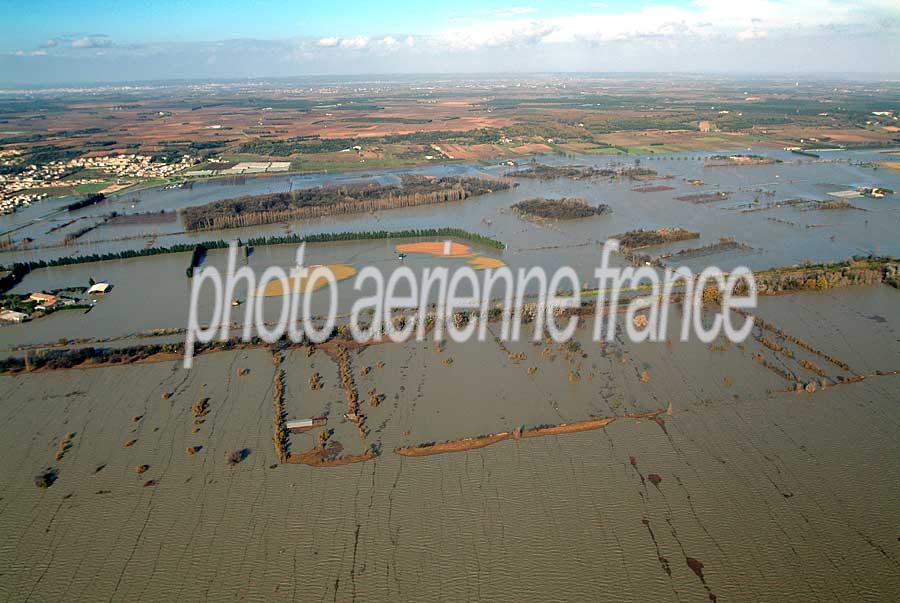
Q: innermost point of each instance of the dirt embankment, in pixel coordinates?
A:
(318, 457)
(568, 427)
(465, 444)
(460, 445)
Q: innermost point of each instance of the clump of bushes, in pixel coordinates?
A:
(636, 239)
(567, 208)
(46, 478)
(64, 446)
(236, 456)
(315, 381)
(200, 408)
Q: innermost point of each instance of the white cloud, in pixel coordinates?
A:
(703, 34)
(91, 42)
(491, 35)
(355, 43)
(750, 19)
(751, 33)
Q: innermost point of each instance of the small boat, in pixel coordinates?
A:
(401, 256)
(236, 302)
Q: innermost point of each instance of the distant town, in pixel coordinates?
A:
(108, 173)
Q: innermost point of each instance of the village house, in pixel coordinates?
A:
(43, 299)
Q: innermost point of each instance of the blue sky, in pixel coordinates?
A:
(98, 40)
(206, 20)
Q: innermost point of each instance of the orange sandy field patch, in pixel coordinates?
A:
(481, 262)
(532, 147)
(474, 151)
(892, 128)
(457, 250)
(278, 288)
(455, 103)
(891, 165)
(115, 187)
(579, 147)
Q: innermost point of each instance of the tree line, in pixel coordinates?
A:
(20, 270)
(252, 210)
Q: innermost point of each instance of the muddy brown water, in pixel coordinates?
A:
(747, 491)
(780, 496)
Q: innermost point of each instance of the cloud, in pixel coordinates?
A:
(700, 35)
(701, 19)
(751, 33)
(493, 35)
(355, 43)
(95, 41)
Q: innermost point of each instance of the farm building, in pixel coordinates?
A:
(13, 316)
(99, 288)
(301, 425)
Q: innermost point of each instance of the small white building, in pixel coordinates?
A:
(99, 288)
(301, 425)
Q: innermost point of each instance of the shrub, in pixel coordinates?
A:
(236, 456)
(45, 478)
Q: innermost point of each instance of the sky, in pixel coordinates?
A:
(59, 42)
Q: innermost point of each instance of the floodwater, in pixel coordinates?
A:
(714, 479)
(776, 237)
(831, 234)
(779, 495)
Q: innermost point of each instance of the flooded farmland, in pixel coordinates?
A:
(510, 471)
(739, 491)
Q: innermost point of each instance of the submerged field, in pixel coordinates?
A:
(738, 490)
